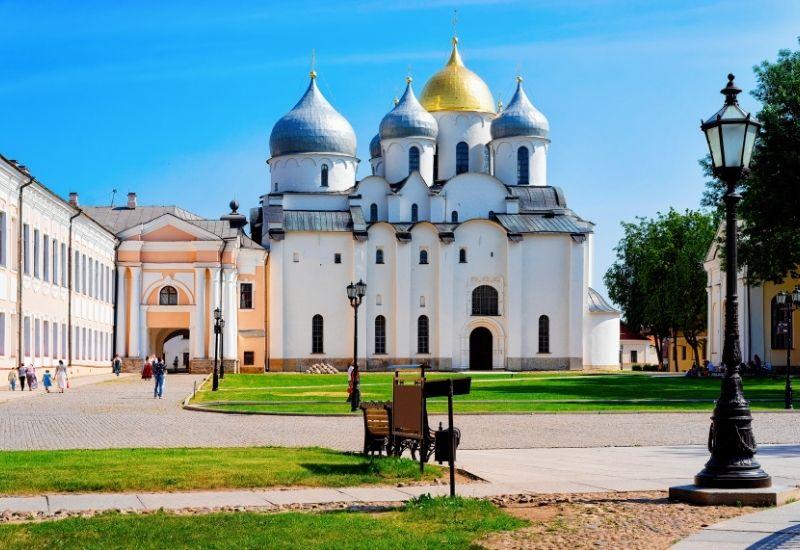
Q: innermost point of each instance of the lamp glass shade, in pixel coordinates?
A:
(781, 298)
(731, 135)
(796, 295)
(217, 313)
(351, 291)
(361, 288)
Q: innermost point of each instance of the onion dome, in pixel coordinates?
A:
(408, 118)
(375, 147)
(520, 118)
(456, 88)
(312, 126)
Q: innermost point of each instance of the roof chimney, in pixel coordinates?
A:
(73, 199)
(131, 200)
(234, 219)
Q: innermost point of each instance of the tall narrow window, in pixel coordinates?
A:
(168, 296)
(423, 338)
(454, 216)
(54, 279)
(76, 281)
(373, 212)
(3, 238)
(46, 338)
(484, 300)
(379, 256)
(413, 159)
(26, 249)
(544, 334)
(487, 160)
(36, 259)
(46, 258)
(414, 212)
(245, 295)
(462, 157)
(89, 272)
(380, 335)
(37, 338)
(64, 265)
(83, 273)
(26, 335)
(2, 333)
(523, 177)
(423, 257)
(316, 334)
(323, 175)
(55, 340)
(462, 255)
(64, 340)
(778, 325)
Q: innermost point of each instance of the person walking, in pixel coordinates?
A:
(61, 376)
(47, 381)
(159, 371)
(21, 371)
(147, 369)
(30, 376)
(116, 364)
(12, 379)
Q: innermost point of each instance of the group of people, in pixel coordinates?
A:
(26, 375)
(154, 367)
(754, 367)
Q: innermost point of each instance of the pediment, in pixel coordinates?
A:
(168, 228)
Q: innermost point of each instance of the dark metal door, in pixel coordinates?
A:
(480, 349)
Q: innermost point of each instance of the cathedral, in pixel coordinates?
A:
(470, 258)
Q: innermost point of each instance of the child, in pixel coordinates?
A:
(12, 379)
(47, 381)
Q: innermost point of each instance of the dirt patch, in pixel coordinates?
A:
(647, 520)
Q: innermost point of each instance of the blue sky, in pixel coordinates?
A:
(176, 102)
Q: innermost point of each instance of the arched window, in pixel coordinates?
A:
(544, 334)
(323, 175)
(423, 338)
(316, 334)
(462, 255)
(484, 300)
(168, 296)
(462, 157)
(373, 212)
(414, 212)
(413, 159)
(423, 257)
(379, 256)
(523, 177)
(454, 217)
(380, 335)
(487, 160)
(778, 326)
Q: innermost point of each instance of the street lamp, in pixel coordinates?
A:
(221, 348)
(731, 134)
(790, 301)
(355, 293)
(215, 378)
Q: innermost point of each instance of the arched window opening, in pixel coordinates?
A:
(423, 337)
(379, 256)
(373, 212)
(413, 159)
(414, 212)
(316, 334)
(462, 256)
(487, 160)
(484, 300)
(778, 326)
(462, 157)
(168, 296)
(323, 175)
(423, 257)
(544, 334)
(454, 217)
(523, 177)
(380, 335)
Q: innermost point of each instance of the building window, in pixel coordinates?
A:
(83, 274)
(634, 356)
(413, 159)
(423, 257)
(249, 358)
(379, 256)
(373, 212)
(778, 327)
(37, 337)
(380, 335)
(462, 157)
(3, 237)
(46, 338)
(378, 300)
(316, 334)
(487, 160)
(168, 296)
(323, 175)
(522, 166)
(36, 253)
(462, 255)
(245, 295)
(46, 258)
(26, 249)
(414, 212)
(296, 257)
(454, 217)
(26, 335)
(64, 340)
(544, 334)
(2, 333)
(54, 280)
(55, 340)
(337, 258)
(423, 339)
(64, 265)
(484, 300)
(422, 301)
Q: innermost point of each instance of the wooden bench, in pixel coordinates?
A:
(377, 427)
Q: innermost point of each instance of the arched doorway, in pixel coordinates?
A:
(480, 349)
(176, 347)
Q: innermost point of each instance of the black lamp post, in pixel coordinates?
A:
(791, 302)
(221, 347)
(215, 377)
(356, 293)
(731, 134)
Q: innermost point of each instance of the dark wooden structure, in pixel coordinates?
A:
(377, 427)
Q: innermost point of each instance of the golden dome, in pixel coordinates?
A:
(456, 88)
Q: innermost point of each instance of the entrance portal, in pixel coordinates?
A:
(480, 349)
(175, 350)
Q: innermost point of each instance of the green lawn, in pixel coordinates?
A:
(425, 523)
(109, 470)
(495, 392)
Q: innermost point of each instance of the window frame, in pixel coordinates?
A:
(413, 159)
(170, 293)
(523, 166)
(485, 301)
(249, 294)
(380, 335)
(544, 334)
(323, 176)
(462, 157)
(423, 335)
(317, 334)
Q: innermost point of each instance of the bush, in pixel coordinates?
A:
(636, 367)
(650, 368)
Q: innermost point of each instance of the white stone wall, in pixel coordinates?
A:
(504, 158)
(454, 127)
(395, 155)
(302, 172)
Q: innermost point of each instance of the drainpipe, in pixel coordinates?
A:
(69, 289)
(266, 314)
(221, 296)
(116, 294)
(20, 350)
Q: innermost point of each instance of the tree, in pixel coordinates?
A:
(658, 278)
(770, 207)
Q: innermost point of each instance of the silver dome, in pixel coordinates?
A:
(520, 118)
(312, 126)
(375, 147)
(408, 119)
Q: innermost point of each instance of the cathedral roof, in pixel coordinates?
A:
(375, 147)
(598, 304)
(408, 119)
(520, 118)
(456, 88)
(312, 126)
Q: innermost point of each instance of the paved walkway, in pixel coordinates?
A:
(121, 412)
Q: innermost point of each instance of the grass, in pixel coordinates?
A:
(424, 523)
(494, 392)
(115, 470)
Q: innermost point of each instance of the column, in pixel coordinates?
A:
(230, 313)
(198, 333)
(275, 317)
(366, 312)
(577, 298)
(441, 326)
(214, 297)
(135, 301)
(122, 304)
(403, 302)
(514, 306)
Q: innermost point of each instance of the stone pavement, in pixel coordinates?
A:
(7, 395)
(121, 412)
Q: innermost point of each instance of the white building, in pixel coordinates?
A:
(471, 259)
